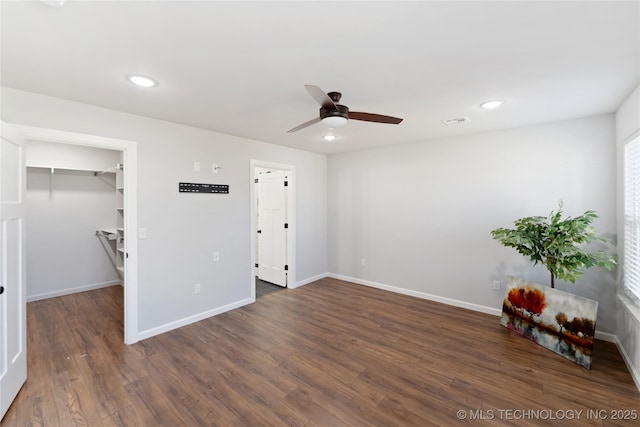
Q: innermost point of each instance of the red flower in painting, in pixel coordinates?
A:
(516, 297)
(534, 300)
(531, 300)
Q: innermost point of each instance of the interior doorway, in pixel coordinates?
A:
(272, 188)
(272, 226)
(128, 209)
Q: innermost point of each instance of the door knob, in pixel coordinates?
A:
(1, 290)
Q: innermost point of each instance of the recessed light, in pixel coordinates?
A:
(142, 81)
(329, 137)
(490, 105)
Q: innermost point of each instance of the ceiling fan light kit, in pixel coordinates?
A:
(334, 115)
(334, 121)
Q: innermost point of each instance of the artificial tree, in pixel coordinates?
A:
(556, 242)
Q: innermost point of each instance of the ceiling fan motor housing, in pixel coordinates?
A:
(340, 111)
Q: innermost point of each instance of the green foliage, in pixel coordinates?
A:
(556, 242)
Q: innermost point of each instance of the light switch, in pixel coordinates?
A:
(196, 166)
(142, 233)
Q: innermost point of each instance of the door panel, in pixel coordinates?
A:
(272, 217)
(13, 316)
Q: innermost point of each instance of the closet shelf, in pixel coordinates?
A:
(52, 169)
(109, 233)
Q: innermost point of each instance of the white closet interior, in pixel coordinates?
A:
(74, 214)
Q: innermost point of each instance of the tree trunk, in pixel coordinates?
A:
(552, 280)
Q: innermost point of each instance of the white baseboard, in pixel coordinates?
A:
(606, 336)
(309, 280)
(69, 291)
(627, 360)
(423, 295)
(191, 319)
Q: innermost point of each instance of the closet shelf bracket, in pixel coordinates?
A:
(110, 234)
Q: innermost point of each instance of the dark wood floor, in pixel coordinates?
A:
(265, 288)
(328, 354)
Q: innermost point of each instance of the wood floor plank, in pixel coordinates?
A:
(330, 353)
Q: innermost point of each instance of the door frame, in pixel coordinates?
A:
(130, 159)
(291, 216)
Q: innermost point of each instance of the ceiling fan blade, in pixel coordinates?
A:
(321, 97)
(304, 125)
(369, 117)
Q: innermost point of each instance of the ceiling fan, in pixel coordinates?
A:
(334, 115)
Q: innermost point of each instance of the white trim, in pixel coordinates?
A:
(310, 280)
(630, 307)
(130, 160)
(606, 336)
(631, 136)
(148, 333)
(423, 295)
(635, 375)
(69, 291)
(291, 214)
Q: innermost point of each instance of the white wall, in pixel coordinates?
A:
(421, 214)
(185, 229)
(628, 325)
(63, 212)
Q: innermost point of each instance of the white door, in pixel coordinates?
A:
(272, 227)
(13, 307)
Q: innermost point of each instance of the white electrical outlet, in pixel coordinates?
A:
(196, 166)
(363, 262)
(142, 233)
(196, 288)
(216, 256)
(496, 285)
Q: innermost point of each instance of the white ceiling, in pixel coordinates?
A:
(239, 67)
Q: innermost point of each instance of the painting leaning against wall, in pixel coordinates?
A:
(562, 322)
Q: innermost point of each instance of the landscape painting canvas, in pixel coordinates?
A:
(560, 321)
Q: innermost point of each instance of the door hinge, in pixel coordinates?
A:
(255, 180)
(286, 268)
(256, 264)
(286, 225)
(259, 231)
(126, 255)
(286, 183)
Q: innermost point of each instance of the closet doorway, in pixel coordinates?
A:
(100, 173)
(272, 226)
